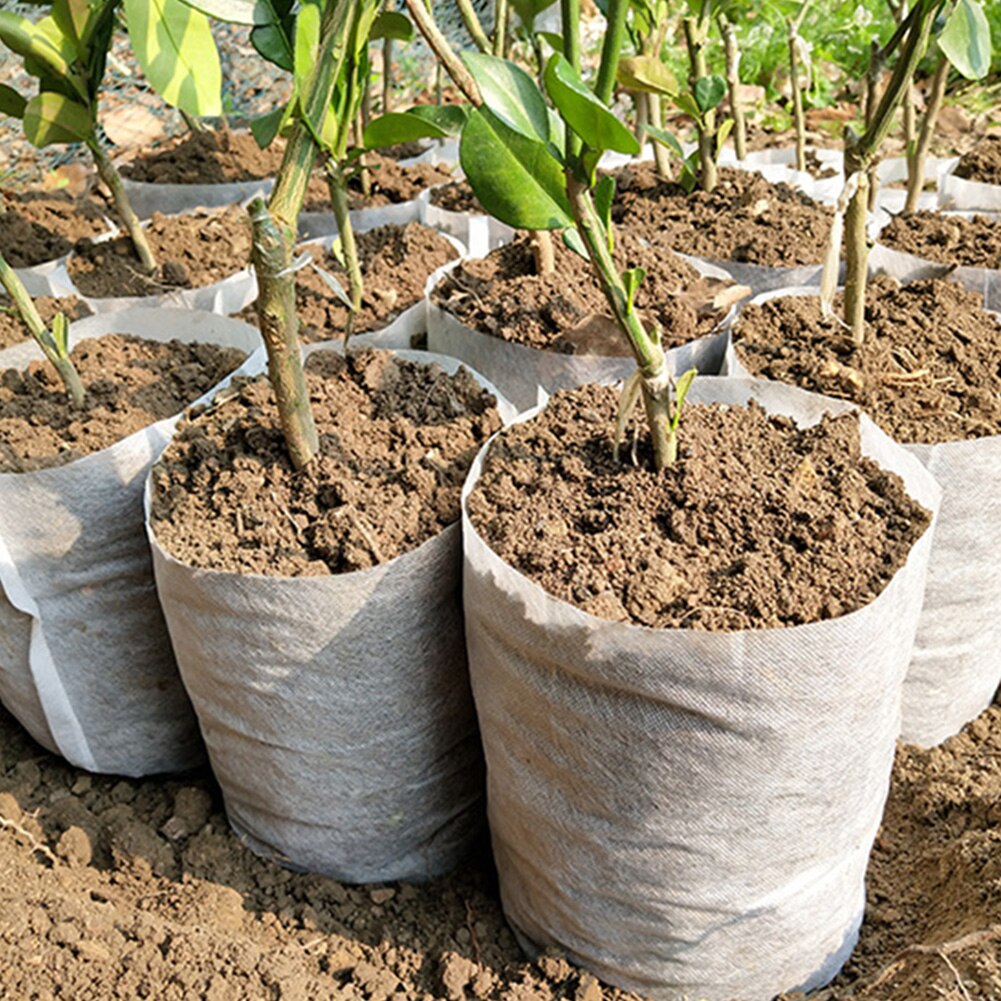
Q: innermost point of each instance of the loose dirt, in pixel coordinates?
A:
(974, 243)
(391, 183)
(456, 196)
(929, 370)
(217, 157)
(12, 329)
(193, 250)
(130, 383)
(41, 226)
(758, 525)
(745, 218)
(504, 295)
(983, 162)
(396, 262)
(397, 439)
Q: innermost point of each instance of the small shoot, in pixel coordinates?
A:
(681, 388)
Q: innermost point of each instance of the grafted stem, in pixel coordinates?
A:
(732, 55)
(53, 350)
(696, 32)
(349, 246)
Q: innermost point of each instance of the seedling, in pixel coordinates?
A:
(54, 343)
(66, 52)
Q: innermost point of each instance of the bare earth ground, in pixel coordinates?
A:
(113, 888)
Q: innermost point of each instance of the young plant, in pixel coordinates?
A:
(538, 171)
(799, 52)
(54, 343)
(731, 51)
(964, 43)
(911, 41)
(66, 52)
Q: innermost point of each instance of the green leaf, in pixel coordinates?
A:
(583, 112)
(604, 194)
(966, 40)
(665, 138)
(307, 44)
(421, 122)
(391, 24)
(632, 279)
(11, 102)
(709, 91)
(71, 17)
(516, 178)
(572, 241)
(267, 126)
(686, 103)
(237, 11)
(54, 118)
(722, 134)
(529, 10)
(553, 40)
(60, 334)
(647, 73)
(174, 45)
(510, 93)
(272, 42)
(31, 42)
(681, 388)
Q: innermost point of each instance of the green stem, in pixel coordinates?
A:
(732, 56)
(696, 31)
(611, 49)
(648, 352)
(56, 355)
(500, 27)
(109, 174)
(917, 155)
(799, 119)
(473, 25)
(349, 246)
(570, 15)
(655, 115)
(438, 44)
(856, 250)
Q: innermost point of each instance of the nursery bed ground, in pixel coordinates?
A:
(40, 226)
(953, 240)
(392, 182)
(210, 157)
(119, 888)
(13, 330)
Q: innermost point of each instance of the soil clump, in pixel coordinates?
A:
(456, 196)
(217, 157)
(983, 162)
(953, 240)
(929, 370)
(391, 183)
(503, 294)
(41, 226)
(193, 250)
(129, 382)
(744, 219)
(12, 328)
(397, 439)
(758, 525)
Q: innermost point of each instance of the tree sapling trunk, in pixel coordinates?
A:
(349, 247)
(696, 33)
(732, 55)
(799, 120)
(917, 152)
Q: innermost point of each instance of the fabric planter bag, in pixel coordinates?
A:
(955, 669)
(85, 660)
(336, 710)
(480, 233)
(662, 802)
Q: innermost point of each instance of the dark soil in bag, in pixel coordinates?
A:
(36, 227)
(929, 370)
(759, 524)
(982, 163)
(130, 383)
(217, 157)
(397, 439)
(391, 183)
(456, 196)
(973, 243)
(193, 250)
(745, 219)
(504, 295)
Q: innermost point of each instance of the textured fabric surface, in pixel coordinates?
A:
(336, 710)
(689, 814)
(86, 661)
(956, 668)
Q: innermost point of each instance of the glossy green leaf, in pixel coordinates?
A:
(722, 134)
(54, 118)
(72, 18)
(665, 138)
(397, 127)
(604, 195)
(450, 118)
(237, 11)
(61, 334)
(516, 178)
(966, 39)
(391, 24)
(529, 10)
(572, 240)
(686, 103)
(267, 126)
(583, 112)
(632, 279)
(683, 385)
(11, 102)
(709, 91)
(272, 42)
(553, 40)
(647, 73)
(510, 93)
(31, 42)
(174, 45)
